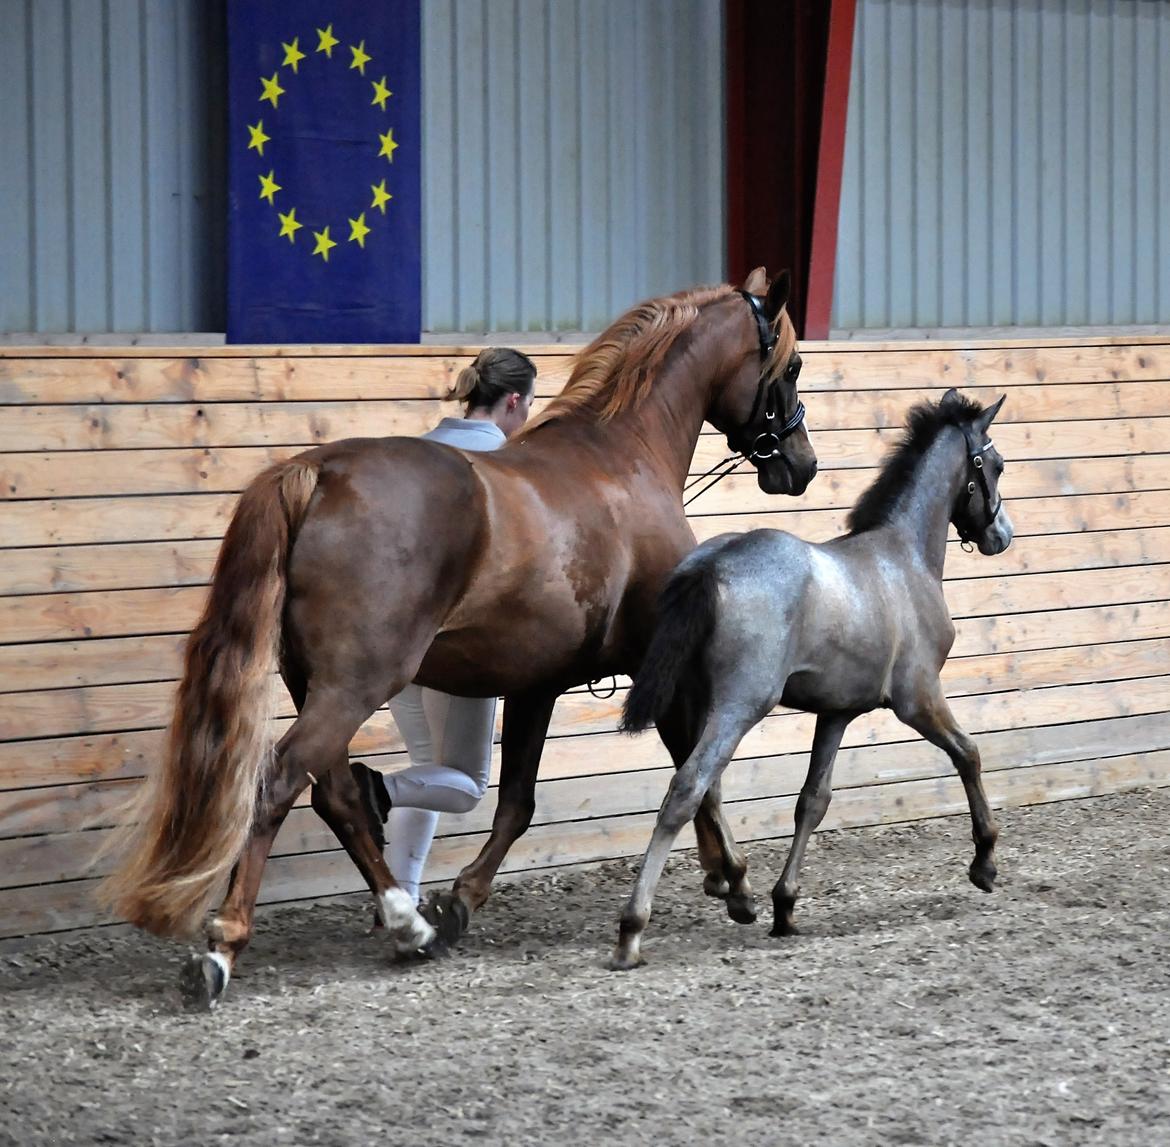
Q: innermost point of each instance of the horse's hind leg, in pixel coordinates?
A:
(688, 786)
(317, 741)
(723, 861)
(811, 806)
(932, 717)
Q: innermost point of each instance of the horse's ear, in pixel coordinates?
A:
(951, 395)
(777, 295)
(988, 416)
(757, 282)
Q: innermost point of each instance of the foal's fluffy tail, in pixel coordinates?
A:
(192, 816)
(673, 663)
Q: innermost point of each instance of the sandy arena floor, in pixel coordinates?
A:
(913, 1009)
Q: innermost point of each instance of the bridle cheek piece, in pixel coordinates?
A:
(768, 396)
(968, 538)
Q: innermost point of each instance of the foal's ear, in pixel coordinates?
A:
(988, 416)
(777, 298)
(757, 282)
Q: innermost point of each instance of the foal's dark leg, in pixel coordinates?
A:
(722, 859)
(811, 806)
(526, 719)
(932, 717)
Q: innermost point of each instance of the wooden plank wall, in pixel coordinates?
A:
(120, 469)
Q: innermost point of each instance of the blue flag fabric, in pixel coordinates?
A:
(324, 171)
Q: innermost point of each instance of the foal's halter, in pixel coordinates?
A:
(766, 444)
(975, 453)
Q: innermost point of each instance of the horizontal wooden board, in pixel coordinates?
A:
(122, 708)
(145, 565)
(207, 376)
(138, 426)
(124, 613)
(123, 754)
(93, 521)
(1084, 439)
(97, 804)
(69, 856)
(47, 908)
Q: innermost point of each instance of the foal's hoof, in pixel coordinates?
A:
(624, 961)
(203, 980)
(742, 908)
(983, 874)
(449, 917)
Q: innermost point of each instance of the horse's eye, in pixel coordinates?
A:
(792, 370)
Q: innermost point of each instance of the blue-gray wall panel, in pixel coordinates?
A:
(1006, 163)
(112, 136)
(574, 158)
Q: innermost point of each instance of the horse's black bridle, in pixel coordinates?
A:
(768, 396)
(975, 453)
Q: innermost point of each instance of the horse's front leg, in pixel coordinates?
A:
(811, 806)
(526, 719)
(723, 861)
(931, 716)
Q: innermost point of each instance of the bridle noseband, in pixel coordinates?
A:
(968, 538)
(767, 395)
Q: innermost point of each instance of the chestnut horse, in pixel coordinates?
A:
(360, 566)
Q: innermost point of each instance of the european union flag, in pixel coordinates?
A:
(324, 196)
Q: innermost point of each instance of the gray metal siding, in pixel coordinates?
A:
(573, 161)
(111, 126)
(1006, 164)
(573, 158)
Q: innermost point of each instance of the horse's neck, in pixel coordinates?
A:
(923, 516)
(663, 430)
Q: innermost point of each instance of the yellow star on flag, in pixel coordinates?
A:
(327, 41)
(256, 137)
(381, 196)
(324, 244)
(360, 58)
(358, 230)
(289, 225)
(269, 187)
(272, 89)
(292, 54)
(388, 145)
(381, 93)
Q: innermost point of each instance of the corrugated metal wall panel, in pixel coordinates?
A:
(1007, 163)
(573, 161)
(574, 158)
(112, 133)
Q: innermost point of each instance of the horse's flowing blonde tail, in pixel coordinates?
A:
(191, 818)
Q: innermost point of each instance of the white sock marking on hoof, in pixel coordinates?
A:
(225, 968)
(404, 925)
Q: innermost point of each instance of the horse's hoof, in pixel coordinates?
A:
(983, 874)
(405, 927)
(448, 916)
(784, 926)
(622, 961)
(742, 909)
(203, 980)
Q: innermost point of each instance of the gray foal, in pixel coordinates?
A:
(749, 621)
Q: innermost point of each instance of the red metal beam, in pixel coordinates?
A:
(830, 161)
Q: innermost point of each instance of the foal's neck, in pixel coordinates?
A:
(923, 514)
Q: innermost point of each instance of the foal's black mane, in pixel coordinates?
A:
(923, 423)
